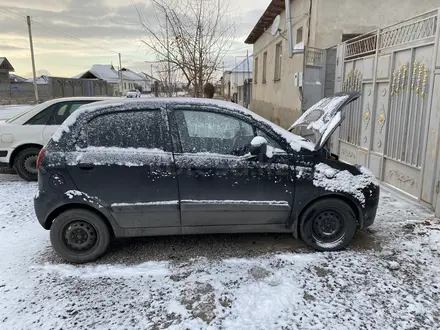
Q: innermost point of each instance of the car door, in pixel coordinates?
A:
(220, 183)
(36, 125)
(124, 159)
(60, 112)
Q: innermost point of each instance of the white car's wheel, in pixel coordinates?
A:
(25, 164)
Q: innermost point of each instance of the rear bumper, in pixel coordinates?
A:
(44, 203)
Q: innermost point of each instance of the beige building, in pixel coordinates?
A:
(285, 84)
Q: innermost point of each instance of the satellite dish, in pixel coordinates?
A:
(275, 26)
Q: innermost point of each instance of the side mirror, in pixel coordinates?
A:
(258, 146)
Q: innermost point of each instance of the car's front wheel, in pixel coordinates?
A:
(25, 164)
(79, 236)
(328, 225)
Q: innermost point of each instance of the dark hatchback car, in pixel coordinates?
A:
(194, 166)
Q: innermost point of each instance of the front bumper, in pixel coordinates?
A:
(371, 205)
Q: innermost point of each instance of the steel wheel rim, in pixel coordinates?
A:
(30, 164)
(328, 226)
(80, 236)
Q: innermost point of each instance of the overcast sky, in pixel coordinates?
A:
(101, 22)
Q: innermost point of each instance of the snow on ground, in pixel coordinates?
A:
(388, 279)
(9, 111)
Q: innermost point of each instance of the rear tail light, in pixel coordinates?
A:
(40, 157)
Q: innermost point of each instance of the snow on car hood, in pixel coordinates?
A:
(325, 116)
(343, 181)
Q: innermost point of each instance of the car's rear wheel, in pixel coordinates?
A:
(328, 225)
(79, 236)
(25, 164)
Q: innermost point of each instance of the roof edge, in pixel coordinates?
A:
(275, 8)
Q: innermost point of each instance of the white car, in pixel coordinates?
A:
(22, 136)
(133, 93)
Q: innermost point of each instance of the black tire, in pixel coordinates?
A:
(328, 225)
(79, 236)
(25, 164)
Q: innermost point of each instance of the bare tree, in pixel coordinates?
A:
(193, 36)
(170, 76)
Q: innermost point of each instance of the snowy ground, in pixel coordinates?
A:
(8, 111)
(388, 279)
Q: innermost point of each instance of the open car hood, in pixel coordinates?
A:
(324, 117)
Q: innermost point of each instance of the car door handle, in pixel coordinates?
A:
(87, 167)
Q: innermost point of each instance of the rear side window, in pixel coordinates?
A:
(133, 129)
(42, 118)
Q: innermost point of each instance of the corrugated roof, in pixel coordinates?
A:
(130, 75)
(101, 71)
(42, 80)
(147, 76)
(105, 72)
(4, 64)
(79, 75)
(275, 8)
(16, 78)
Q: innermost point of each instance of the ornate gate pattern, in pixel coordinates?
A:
(394, 127)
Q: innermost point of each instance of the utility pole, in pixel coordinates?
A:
(168, 57)
(120, 74)
(28, 19)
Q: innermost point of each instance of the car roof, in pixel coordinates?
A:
(29, 113)
(296, 142)
(125, 104)
(80, 98)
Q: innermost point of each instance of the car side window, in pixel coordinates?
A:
(270, 141)
(64, 111)
(41, 118)
(206, 131)
(128, 129)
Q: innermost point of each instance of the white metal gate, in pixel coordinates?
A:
(394, 127)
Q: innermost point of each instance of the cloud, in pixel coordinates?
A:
(6, 47)
(107, 23)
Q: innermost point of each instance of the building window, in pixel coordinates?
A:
(299, 35)
(264, 66)
(256, 70)
(278, 55)
(125, 85)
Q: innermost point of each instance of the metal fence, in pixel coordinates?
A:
(53, 87)
(394, 126)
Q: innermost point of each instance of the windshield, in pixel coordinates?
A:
(10, 120)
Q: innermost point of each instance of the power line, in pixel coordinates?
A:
(12, 13)
(64, 34)
(59, 32)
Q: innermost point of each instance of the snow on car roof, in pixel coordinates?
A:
(295, 141)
